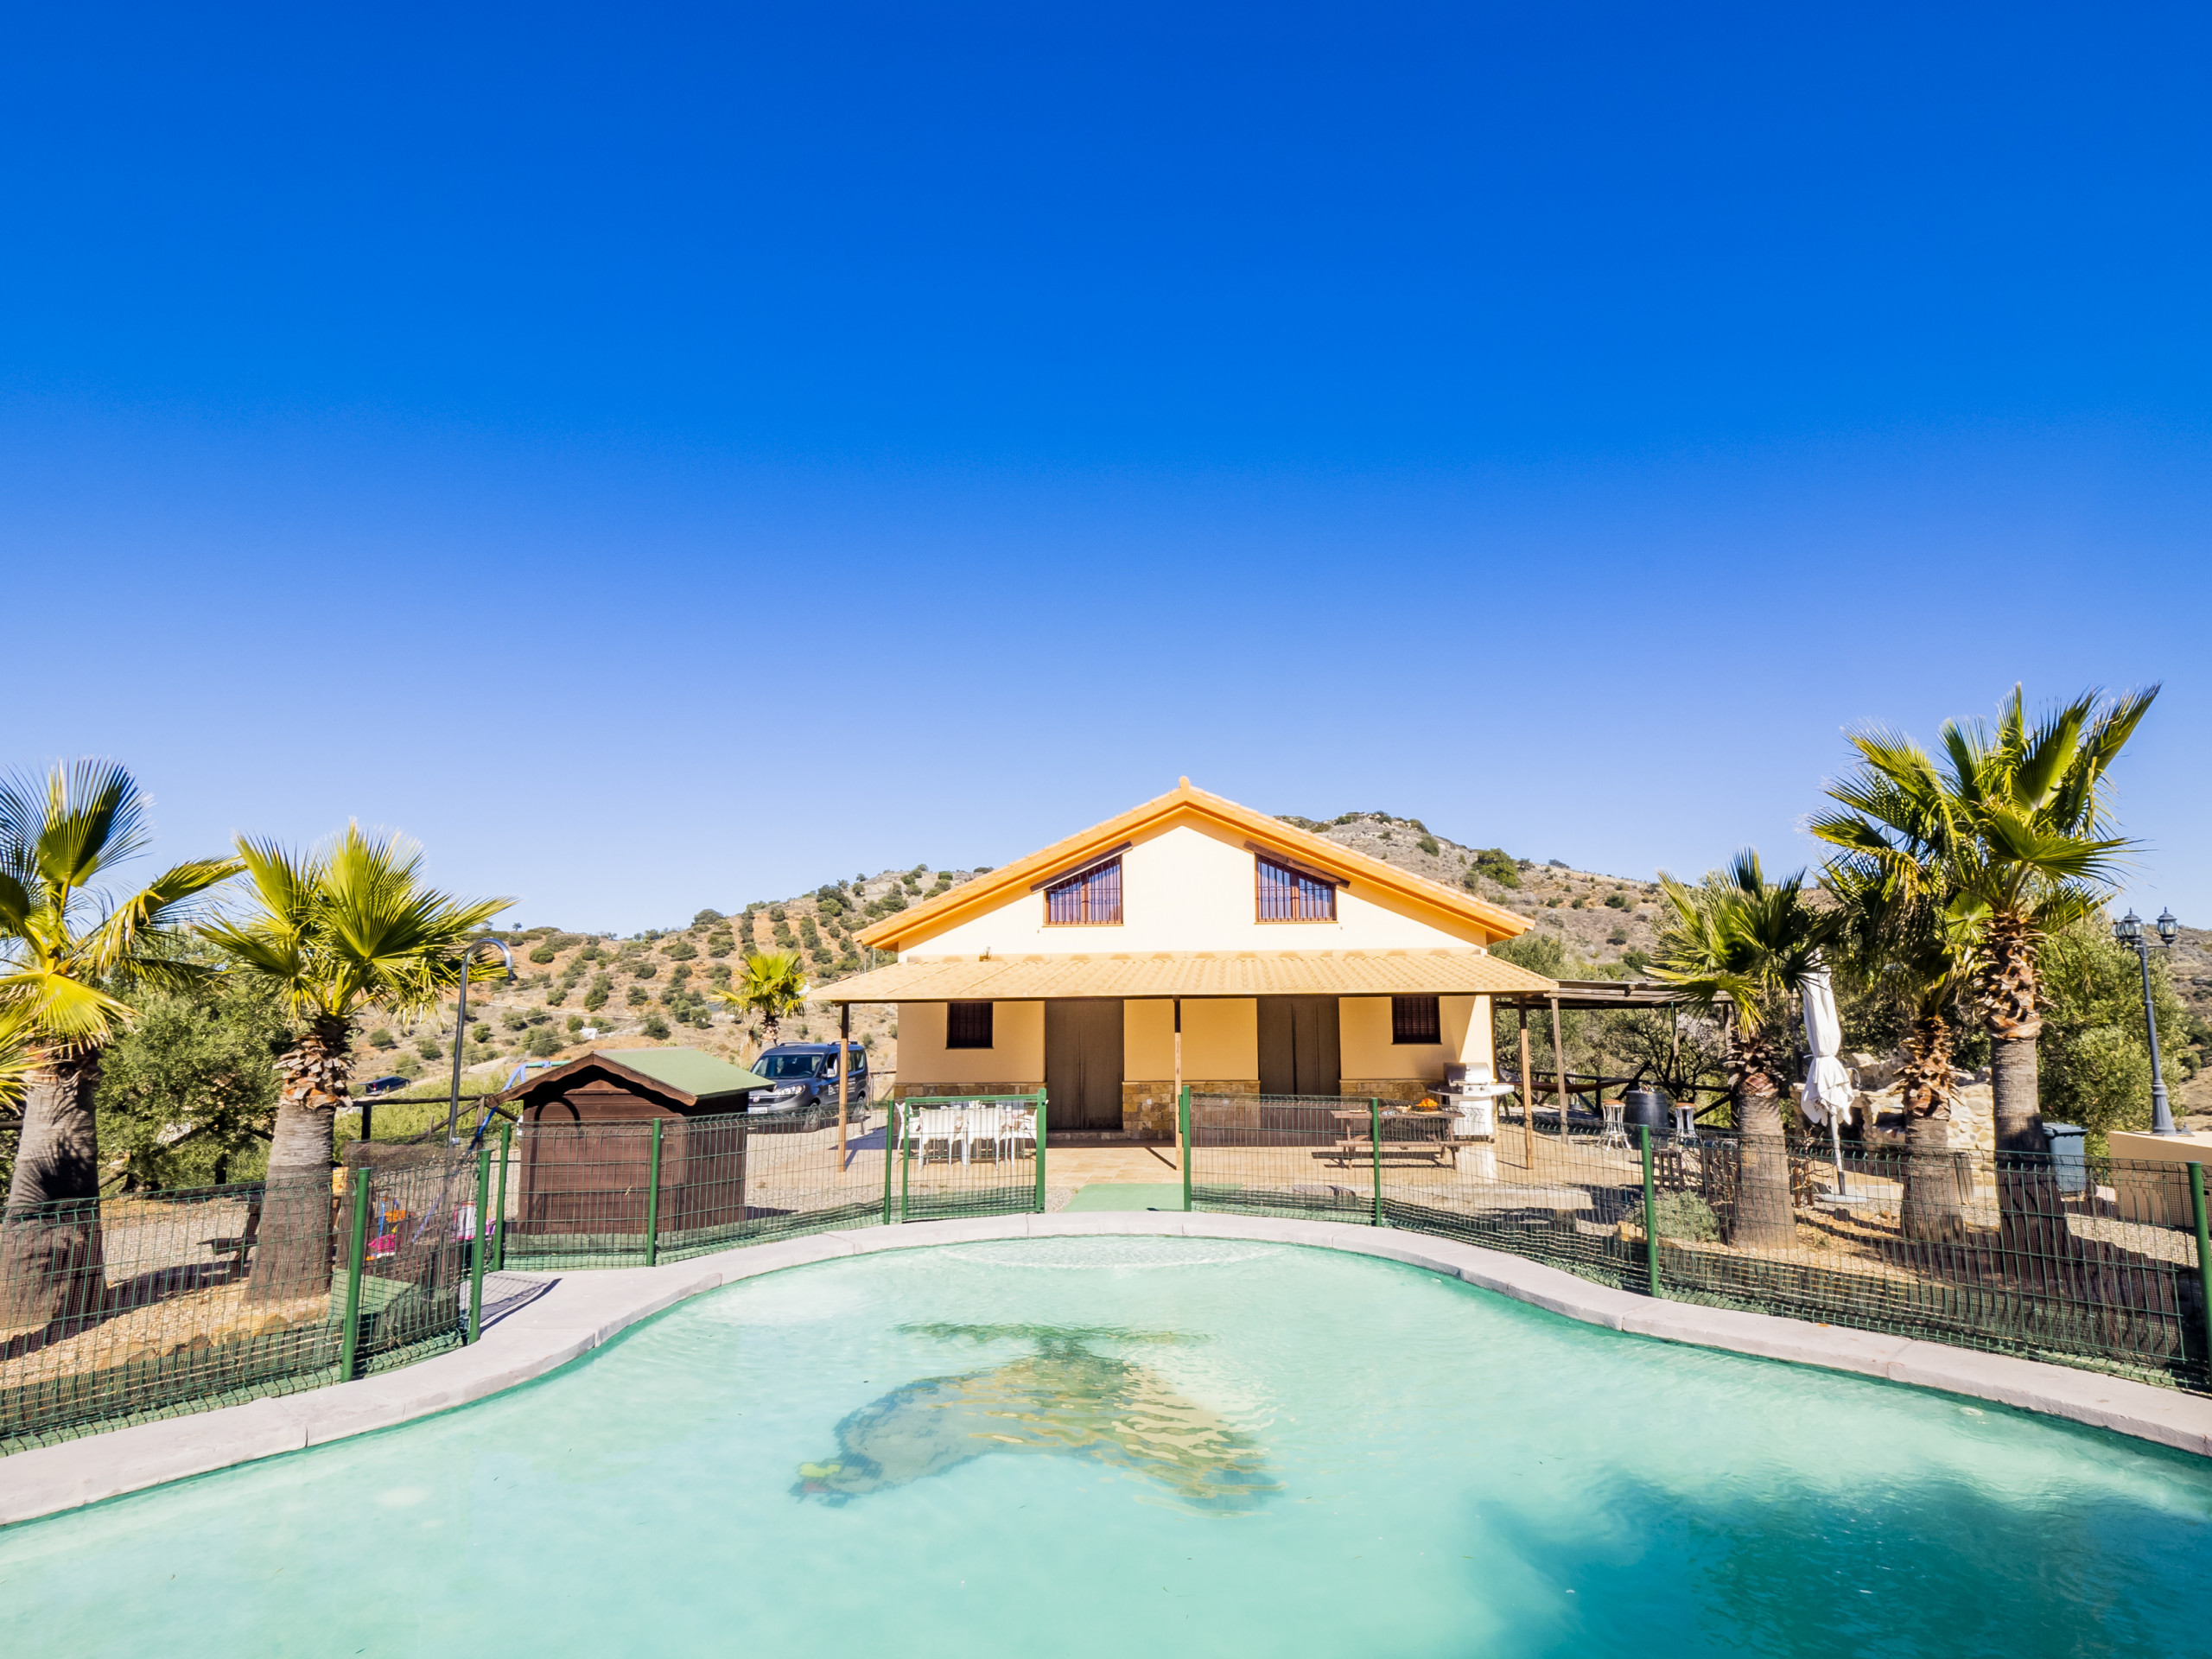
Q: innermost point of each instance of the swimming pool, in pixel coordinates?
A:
(1100, 1446)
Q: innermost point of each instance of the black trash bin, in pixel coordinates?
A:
(1648, 1108)
(2069, 1163)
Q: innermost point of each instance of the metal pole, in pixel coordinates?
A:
(1183, 1132)
(2162, 1112)
(1650, 1209)
(1374, 1149)
(461, 1022)
(1835, 1145)
(506, 1151)
(1040, 1152)
(890, 1150)
(349, 1339)
(476, 1244)
(2203, 1253)
(652, 1202)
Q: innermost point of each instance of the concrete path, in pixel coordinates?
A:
(579, 1311)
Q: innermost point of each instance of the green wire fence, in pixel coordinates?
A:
(136, 1307)
(125, 1309)
(2098, 1263)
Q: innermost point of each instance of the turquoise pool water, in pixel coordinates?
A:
(1136, 1446)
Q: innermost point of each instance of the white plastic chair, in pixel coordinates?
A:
(948, 1124)
(1021, 1126)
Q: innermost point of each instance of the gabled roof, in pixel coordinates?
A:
(1182, 803)
(688, 1075)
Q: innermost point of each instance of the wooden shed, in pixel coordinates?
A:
(587, 1148)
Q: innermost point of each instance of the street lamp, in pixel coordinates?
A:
(2128, 930)
(508, 957)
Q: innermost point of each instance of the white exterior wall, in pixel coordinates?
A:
(1186, 888)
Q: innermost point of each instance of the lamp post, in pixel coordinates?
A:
(2128, 930)
(461, 1022)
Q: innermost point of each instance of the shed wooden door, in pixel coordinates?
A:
(1300, 1052)
(1083, 1062)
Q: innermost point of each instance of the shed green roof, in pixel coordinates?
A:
(700, 1074)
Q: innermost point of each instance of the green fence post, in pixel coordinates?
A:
(652, 1203)
(1040, 1152)
(349, 1340)
(1650, 1210)
(2203, 1254)
(1375, 1144)
(1182, 1131)
(906, 1169)
(500, 1211)
(890, 1150)
(476, 1244)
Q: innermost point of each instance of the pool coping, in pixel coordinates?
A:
(580, 1311)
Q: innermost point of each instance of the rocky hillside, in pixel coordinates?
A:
(1599, 918)
(576, 990)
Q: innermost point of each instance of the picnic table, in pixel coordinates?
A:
(1426, 1136)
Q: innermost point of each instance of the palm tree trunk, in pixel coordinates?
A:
(292, 1258)
(50, 1260)
(1764, 1218)
(1932, 1212)
(2030, 1220)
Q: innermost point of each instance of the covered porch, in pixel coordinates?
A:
(1113, 1040)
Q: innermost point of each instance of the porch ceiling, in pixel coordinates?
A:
(1273, 973)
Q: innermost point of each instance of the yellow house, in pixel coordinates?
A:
(1190, 941)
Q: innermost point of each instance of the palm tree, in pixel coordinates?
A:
(1909, 939)
(772, 987)
(339, 931)
(2020, 817)
(1740, 947)
(66, 954)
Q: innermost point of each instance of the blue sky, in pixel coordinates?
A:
(678, 456)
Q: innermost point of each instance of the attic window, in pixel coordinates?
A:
(1091, 897)
(1415, 1020)
(1289, 895)
(967, 1025)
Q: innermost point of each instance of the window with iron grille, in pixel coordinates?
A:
(1089, 900)
(1415, 1020)
(1289, 895)
(967, 1025)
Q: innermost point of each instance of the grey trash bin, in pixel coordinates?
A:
(2069, 1161)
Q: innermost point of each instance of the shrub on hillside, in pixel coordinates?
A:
(430, 1049)
(382, 1038)
(637, 998)
(1499, 866)
(720, 944)
(1617, 901)
(644, 969)
(543, 953)
(707, 919)
(680, 950)
(1619, 935)
(775, 913)
(656, 1027)
(480, 1034)
(718, 976)
(543, 1045)
(1427, 845)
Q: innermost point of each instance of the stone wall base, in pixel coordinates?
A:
(1148, 1105)
(960, 1090)
(1386, 1088)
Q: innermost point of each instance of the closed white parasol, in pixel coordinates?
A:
(1828, 1094)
